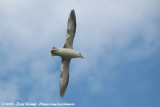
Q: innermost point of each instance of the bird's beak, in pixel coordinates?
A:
(82, 56)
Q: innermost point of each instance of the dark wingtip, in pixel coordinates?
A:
(72, 14)
(61, 95)
(72, 22)
(73, 10)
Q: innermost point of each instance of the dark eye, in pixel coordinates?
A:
(80, 53)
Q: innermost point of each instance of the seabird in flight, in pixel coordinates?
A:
(66, 53)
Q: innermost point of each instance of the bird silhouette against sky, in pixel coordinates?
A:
(66, 53)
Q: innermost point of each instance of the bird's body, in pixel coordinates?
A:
(66, 53)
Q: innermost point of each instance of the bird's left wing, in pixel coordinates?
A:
(71, 30)
(64, 76)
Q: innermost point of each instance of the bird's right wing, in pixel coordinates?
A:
(71, 30)
(64, 76)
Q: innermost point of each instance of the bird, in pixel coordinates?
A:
(66, 53)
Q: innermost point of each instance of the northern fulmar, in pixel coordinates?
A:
(66, 53)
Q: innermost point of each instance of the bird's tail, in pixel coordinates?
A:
(53, 51)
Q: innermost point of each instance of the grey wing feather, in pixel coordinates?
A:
(64, 76)
(71, 30)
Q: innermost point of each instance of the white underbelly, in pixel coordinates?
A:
(68, 53)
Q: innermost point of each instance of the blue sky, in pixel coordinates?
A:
(119, 40)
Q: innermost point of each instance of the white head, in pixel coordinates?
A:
(80, 55)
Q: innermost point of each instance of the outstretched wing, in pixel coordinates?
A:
(64, 76)
(71, 30)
